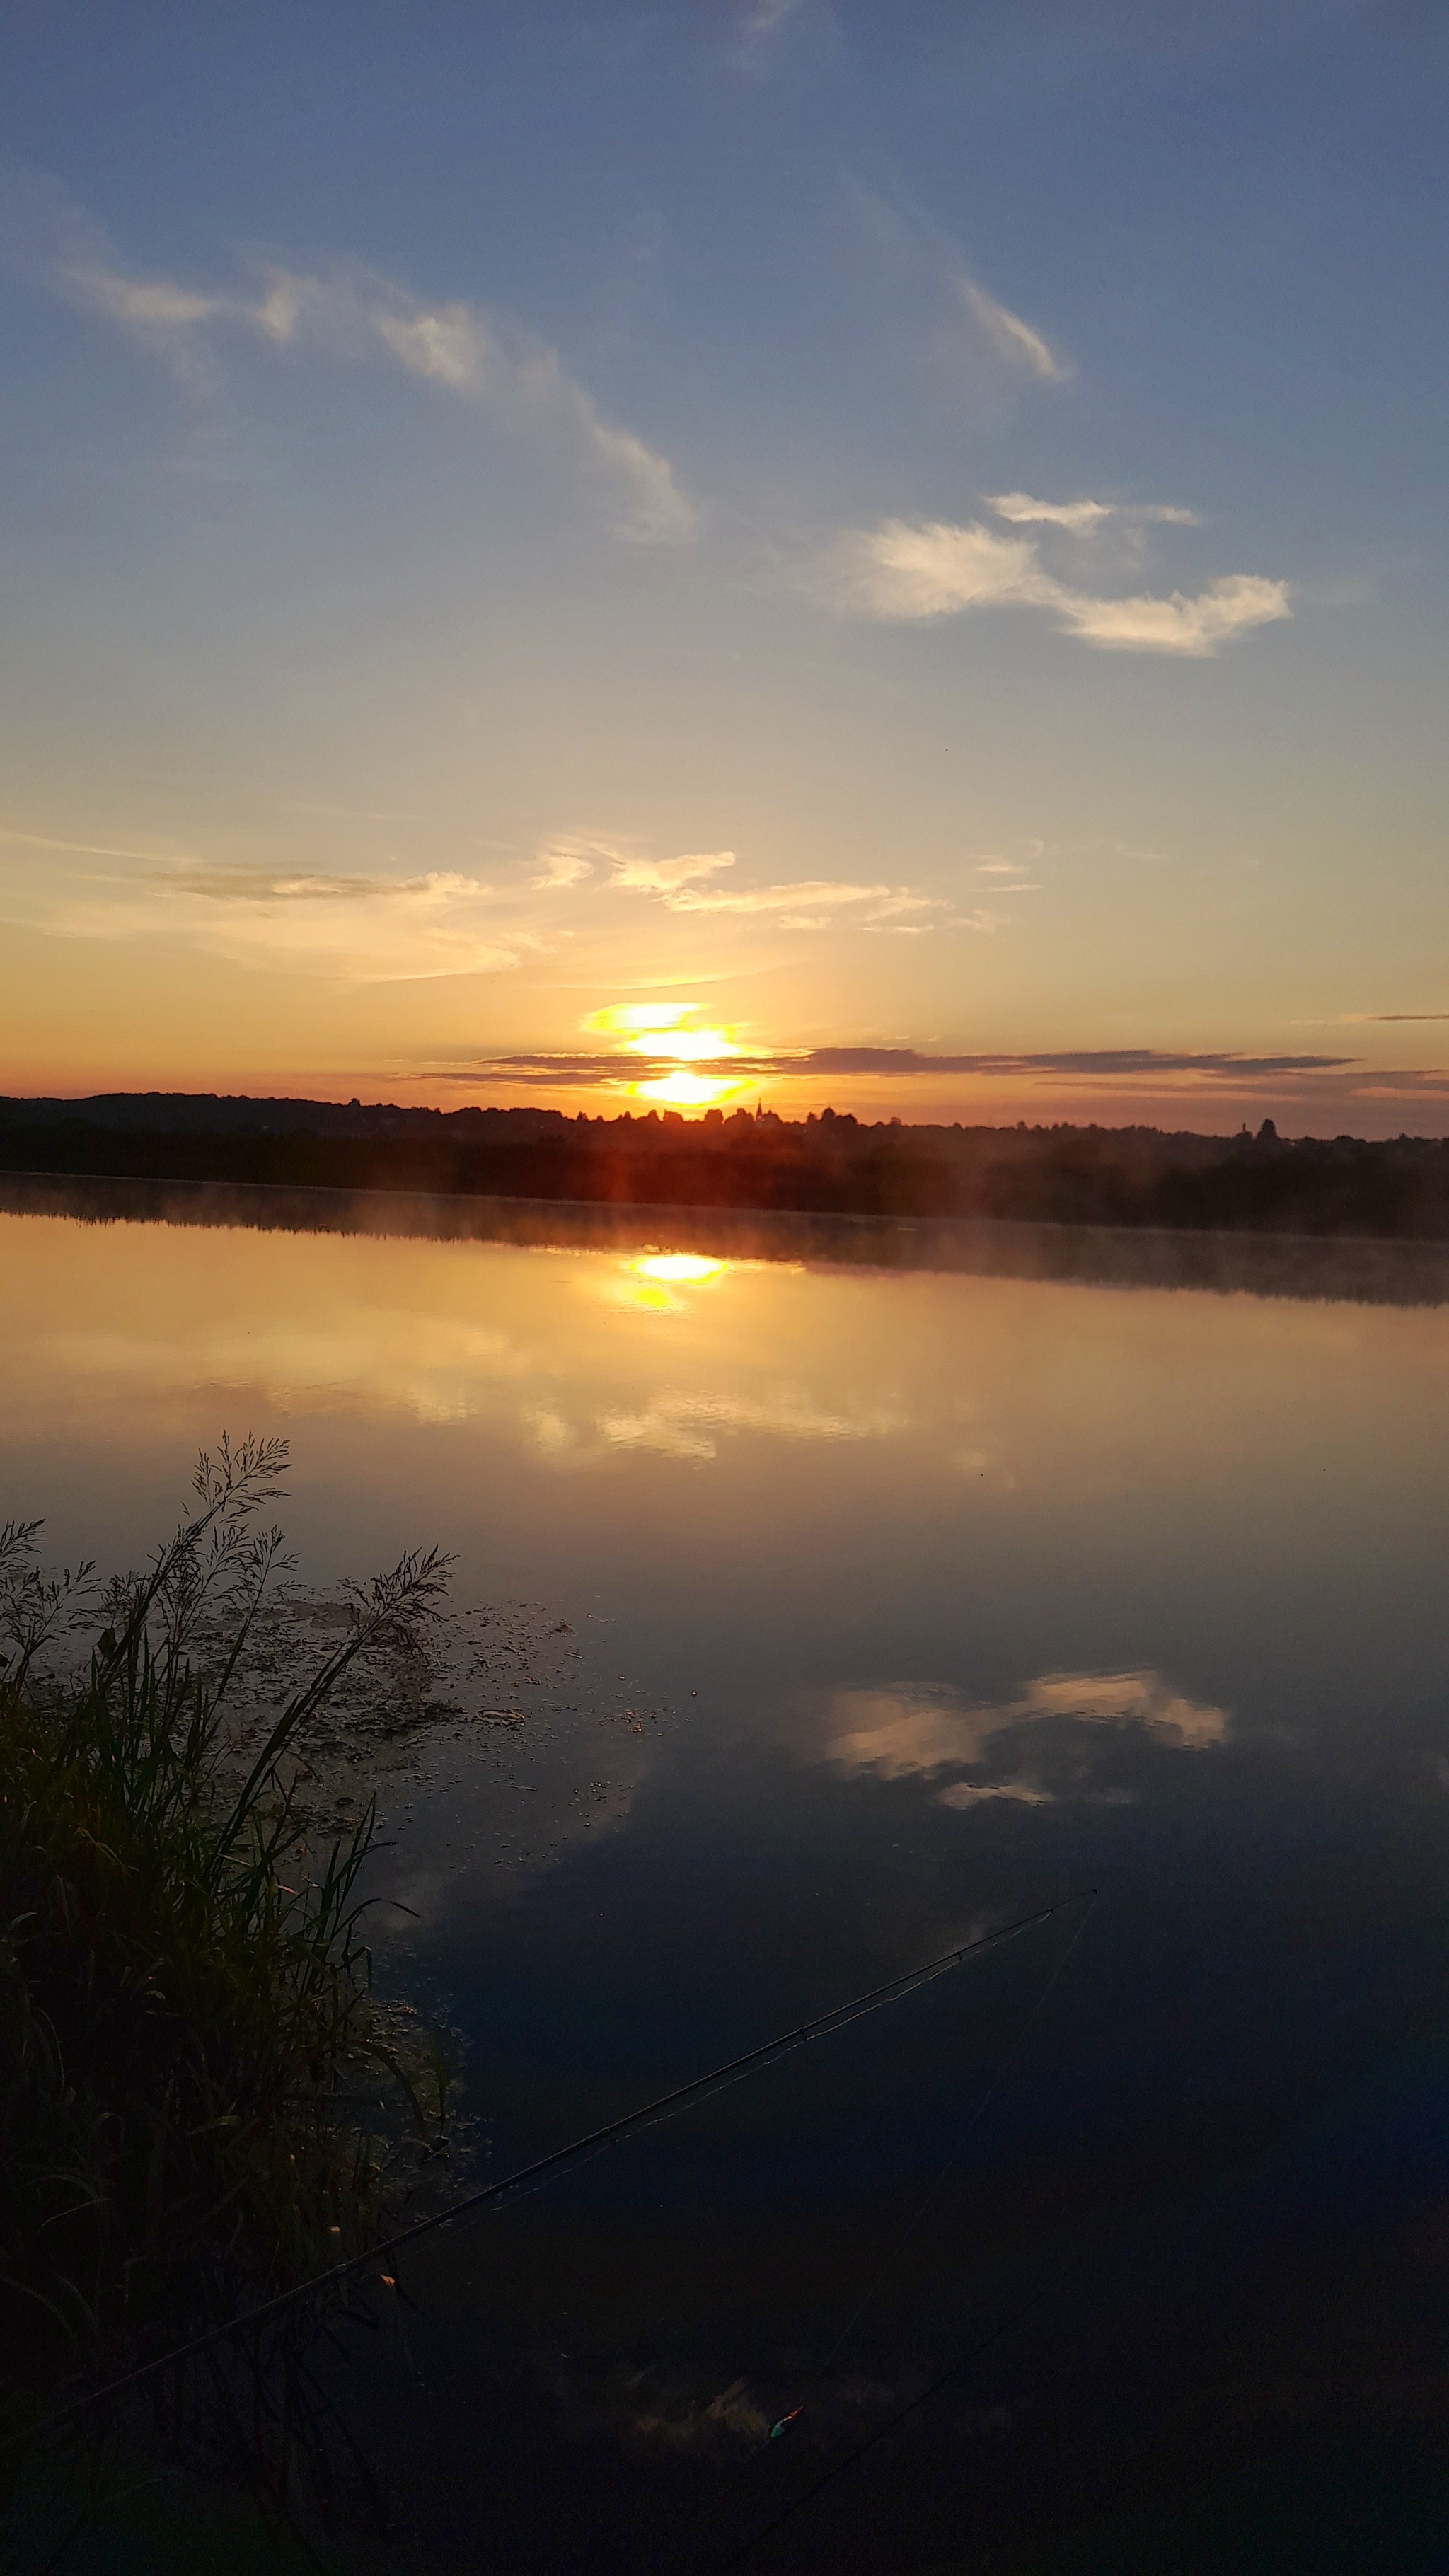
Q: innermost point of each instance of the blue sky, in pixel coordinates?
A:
(913, 532)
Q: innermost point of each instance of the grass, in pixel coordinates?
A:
(189, 2051)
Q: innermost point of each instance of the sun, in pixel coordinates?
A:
(687, 1061)
(686, 1090)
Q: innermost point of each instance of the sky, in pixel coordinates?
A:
(611, 556)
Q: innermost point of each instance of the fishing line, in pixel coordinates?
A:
(838, 2471)
(531, 2176)
(893, 2252)
(783, 2423)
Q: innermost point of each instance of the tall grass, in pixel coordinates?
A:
(186, 2026)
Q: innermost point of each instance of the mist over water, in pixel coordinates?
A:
(907, 1599)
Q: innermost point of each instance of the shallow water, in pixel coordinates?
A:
(907, 1601)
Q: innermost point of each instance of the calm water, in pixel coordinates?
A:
(909, 1602)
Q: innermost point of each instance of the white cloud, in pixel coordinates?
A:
(358, 929)
(933, 295)
(349, 312)
(1008, 335)
(561, 866)
(686, 884)
(806, 903)
(1023, 511)
(45, 235)
(659, 513)
(365, 927)
(1177, 624)
(669, 877)
(913, 569)
(813, 895)
(447, 346)
(149, 303)
(484, 359)
(1081, 517)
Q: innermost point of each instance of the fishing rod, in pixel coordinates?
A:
(578, 2151)
(796, 2504)
(793, 2416)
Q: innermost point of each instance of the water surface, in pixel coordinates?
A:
(908, 1601)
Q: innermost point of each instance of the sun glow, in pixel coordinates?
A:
(657, 1283)
(621, 1019)
(688, 1046)
(686, 1090)
(679, 1054)
(689, 1267)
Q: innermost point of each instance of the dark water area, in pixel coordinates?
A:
(920, 1580)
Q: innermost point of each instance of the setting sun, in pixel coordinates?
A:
(686, 1090)
(657, 1032)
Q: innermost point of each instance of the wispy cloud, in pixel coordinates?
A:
(1135, 1063)
(1007, 334)
(760, 25)
(357, 929)
(561, 866)
(1080, 517)
(686, 884)
(809, 902)
(347, 312)
(955, 320)
(147, 304)
(79, 849)
(1196, 627)
(909, 570)
(364, 925)
(1221, 1071)
(482, 357)
(919, 568)
(671, 878)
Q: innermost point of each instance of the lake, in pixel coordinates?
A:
(901, 1602)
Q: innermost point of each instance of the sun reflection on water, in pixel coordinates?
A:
(650, 1282)
(677, 1265)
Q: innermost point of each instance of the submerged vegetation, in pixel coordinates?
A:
(192, 2064)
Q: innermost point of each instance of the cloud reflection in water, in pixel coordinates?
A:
(1044, 1746)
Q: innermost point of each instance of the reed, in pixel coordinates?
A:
(190, 2054)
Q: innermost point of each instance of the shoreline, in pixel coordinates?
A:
(1348, 1268)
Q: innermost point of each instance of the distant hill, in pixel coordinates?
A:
(1122, 1176)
